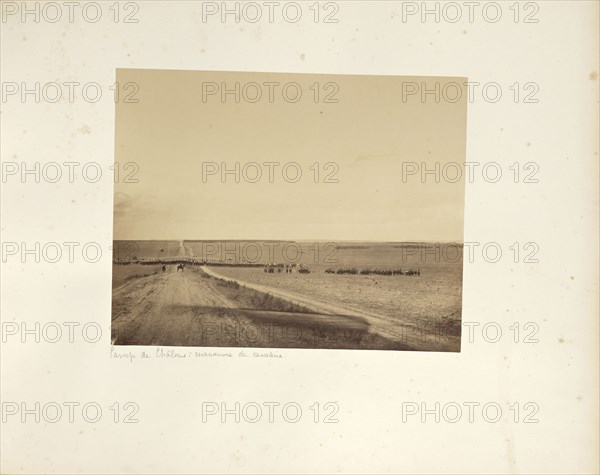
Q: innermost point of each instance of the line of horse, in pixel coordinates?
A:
(270, 268)
(289, 268)
(375, 271)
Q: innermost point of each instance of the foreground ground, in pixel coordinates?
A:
(199, 308)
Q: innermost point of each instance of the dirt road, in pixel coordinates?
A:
(187, 309)
(163, 309)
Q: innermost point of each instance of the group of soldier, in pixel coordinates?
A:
(289, 268)
(269, 268)
(376, 271)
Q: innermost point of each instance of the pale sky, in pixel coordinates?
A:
(368, 134)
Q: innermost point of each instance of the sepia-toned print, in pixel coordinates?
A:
(273, 210)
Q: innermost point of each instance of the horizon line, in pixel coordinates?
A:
(300, 240)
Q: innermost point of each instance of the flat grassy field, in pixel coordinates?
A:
(433, 298)
(430, 302)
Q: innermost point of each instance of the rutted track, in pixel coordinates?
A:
(160, 309)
